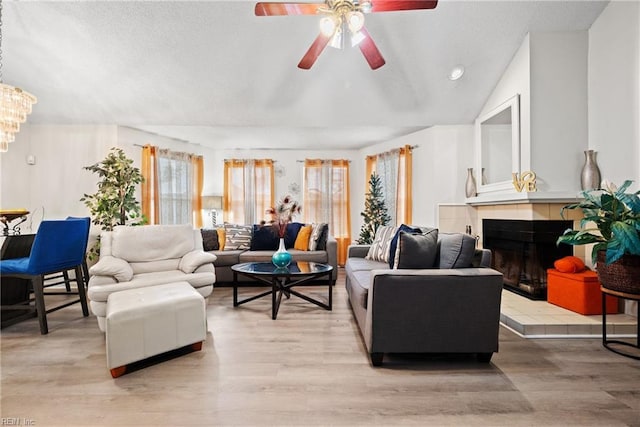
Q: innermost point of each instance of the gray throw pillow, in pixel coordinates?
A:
(456, 250)
(416, 251)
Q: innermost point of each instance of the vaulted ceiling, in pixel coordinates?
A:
(212, 73)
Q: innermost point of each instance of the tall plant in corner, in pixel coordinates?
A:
(375, 212)
(114, 203)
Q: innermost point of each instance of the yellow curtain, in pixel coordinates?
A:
(404, 206)
(196, 197)
(327, 199)
(150, 207)
(370, 168)
(241, 182)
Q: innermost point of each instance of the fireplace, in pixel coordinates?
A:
(523, 250)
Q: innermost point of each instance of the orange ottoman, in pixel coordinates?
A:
(579, 292)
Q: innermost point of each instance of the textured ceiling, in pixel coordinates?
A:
(212, 73)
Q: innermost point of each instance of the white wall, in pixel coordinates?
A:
(57, 181)
(614, 91)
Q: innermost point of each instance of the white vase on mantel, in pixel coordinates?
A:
(470, 188)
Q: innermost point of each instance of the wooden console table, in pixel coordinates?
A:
(605, 341)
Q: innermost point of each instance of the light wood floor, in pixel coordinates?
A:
(308, 367)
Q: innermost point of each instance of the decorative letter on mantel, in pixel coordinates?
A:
(526, 181)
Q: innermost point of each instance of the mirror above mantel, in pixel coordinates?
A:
(497, 147)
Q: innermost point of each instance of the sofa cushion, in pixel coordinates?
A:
(227, 258)
(319, 233)
(210, 239)
(363, 264)
(264, 238)
(416, 250)
(237, 236)
(291, 233)
(151, 242)
(394, 242)
(195, 259)
(379, 250)
(302, 241)
(456, 250)
(360, 281)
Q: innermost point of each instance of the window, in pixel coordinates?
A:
(395, 171)
(248, 190)
(171, 192)
(326, 199)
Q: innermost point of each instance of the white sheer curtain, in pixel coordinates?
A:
(174, 187)
(326, 199)
(248, 190)
(387, 170)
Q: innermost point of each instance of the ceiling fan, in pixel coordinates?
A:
(342, 17)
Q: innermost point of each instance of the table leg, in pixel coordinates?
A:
(235, 289)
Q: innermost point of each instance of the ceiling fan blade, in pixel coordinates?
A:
(279, 9)
(393, 5)
(314, 51)
(370, 51)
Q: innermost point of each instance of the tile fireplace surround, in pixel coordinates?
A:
(455, 218)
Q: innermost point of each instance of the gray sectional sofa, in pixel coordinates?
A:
(225, 259)
(431, 310)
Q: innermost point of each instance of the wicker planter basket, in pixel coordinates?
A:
(622, 275)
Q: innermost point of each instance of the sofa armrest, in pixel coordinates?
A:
(114, 267)
(194, 259)
(332, 256)
(357, 251)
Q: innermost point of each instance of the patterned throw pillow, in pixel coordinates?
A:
(210, 239)
(237, 237)
(318, 231)
(379, 250)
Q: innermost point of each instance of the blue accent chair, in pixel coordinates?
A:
(65, 274)
(59, 246)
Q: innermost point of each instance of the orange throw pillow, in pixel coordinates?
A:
(302, 241)
(569, 264)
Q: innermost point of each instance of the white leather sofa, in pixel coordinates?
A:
(149, 255)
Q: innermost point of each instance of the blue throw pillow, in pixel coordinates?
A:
(291, 233)
(394, 241)
(264, 238)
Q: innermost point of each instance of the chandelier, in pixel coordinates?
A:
(15, 105)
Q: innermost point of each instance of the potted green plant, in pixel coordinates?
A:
(616, 235)
(114, 203)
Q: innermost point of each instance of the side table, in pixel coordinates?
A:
(605, 341)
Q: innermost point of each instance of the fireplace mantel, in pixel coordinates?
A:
(506, 198)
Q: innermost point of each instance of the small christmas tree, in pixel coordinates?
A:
(375, 212)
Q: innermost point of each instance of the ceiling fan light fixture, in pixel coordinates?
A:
(456, 72)
(355, 20)
(328, 26)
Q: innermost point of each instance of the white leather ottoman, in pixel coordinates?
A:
(145, 322)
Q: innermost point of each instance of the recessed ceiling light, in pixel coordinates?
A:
(456, 72)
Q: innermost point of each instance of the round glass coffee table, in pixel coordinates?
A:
(282, 280)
